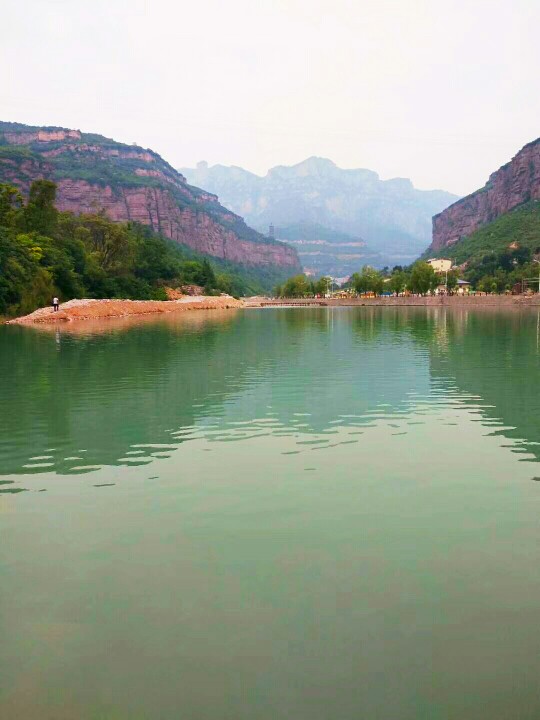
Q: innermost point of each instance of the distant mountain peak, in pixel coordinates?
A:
(391, 216)
(315, 164)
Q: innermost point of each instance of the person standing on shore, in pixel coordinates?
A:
(55, 304)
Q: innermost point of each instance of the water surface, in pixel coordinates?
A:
(286, 513)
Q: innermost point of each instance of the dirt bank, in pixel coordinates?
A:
(93, 309)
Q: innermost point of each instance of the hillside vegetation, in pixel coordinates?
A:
(46, 253)
(499, 254)
(128, 182)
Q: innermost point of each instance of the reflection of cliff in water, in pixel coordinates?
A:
(494, 356)
(83, 400)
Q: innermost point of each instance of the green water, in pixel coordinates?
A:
(314, 514)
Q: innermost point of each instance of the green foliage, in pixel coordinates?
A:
(40, 214)
(423, 278)
(11, 203)
(300, 286)
(44, 253)
(368, 280)
(398, 281)
(297, 286)
(451, 281)
(500, 254)
(520, 226)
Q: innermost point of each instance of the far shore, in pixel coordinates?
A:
(90, 309)
(462, 301)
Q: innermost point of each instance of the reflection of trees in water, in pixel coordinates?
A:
(495, 356)
(102, 393)
(105, 393)
(486, 353)
(309, 370)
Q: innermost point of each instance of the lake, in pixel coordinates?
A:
(308, 513)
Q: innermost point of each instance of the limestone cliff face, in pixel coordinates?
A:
(26, 137)
(513, 184)
(129, 183)
(158, 208)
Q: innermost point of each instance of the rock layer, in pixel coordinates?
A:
(515, 183)
(128, 183)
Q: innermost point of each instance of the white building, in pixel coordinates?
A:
(440, 265)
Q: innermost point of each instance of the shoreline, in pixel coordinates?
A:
(461, 301)
(90, 309)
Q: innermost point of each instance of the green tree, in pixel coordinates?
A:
(423, 278)
(208, 278)
(398, 281)
(368, 280)
(44, 253)
(451, 281)
(322, 286)
(297, 286)
(110, 242)
(40, 213)
(11, 203)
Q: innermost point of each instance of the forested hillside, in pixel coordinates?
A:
(44, 252)
(129, 183)
(502, 253)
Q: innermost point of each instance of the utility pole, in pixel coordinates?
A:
(538, 261)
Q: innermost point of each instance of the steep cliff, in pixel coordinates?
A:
(130, 183)
(513, 184)
(391, 217)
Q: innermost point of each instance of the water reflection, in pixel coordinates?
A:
(127, 393)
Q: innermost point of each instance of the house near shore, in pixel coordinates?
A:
(463, 288)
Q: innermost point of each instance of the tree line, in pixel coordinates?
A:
(419, 278)
(46, 253)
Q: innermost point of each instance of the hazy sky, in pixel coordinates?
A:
(441, 92)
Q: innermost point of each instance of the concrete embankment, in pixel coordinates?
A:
(94, 309)
(461, 301)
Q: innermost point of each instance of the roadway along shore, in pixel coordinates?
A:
(461, 301)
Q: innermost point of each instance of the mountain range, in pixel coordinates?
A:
(130, 183)
(350, 217)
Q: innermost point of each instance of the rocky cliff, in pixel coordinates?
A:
(390, 217)
(513, 184)
(130, 183)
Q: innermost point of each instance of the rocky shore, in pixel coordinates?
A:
(88, 309)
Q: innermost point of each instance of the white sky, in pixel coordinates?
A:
(441, 92)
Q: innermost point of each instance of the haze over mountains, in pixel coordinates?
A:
(130, 183)
(337, 219)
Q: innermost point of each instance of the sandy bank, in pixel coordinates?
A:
(94, 309)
